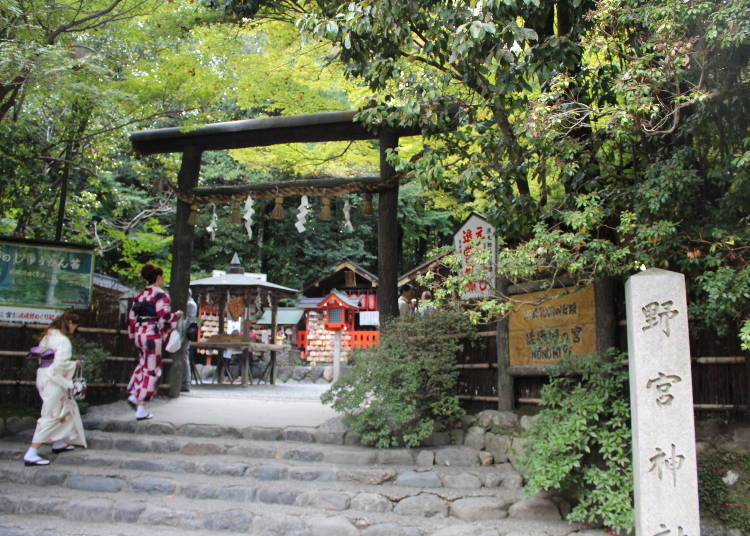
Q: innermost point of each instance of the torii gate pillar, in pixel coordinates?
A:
(182, 243)
(182, 254)
(387, 235)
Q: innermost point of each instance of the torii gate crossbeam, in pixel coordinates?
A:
(319, 127)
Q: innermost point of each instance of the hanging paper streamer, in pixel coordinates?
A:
(248, 217)
(214, 223)
(347, 219)
(304, 208)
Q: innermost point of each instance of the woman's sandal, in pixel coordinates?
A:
(38, 461)
(66, 448)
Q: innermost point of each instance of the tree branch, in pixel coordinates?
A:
(81, 24)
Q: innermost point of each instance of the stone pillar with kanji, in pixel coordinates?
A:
(661, 402)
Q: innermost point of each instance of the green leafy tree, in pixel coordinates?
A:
(598, 137)
(162, 66)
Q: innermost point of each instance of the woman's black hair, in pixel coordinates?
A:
(405, 288)
(150, 272)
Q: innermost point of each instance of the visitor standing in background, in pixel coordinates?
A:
(60, 420)
(188, 333)
(405, 306)
(150, 322)
(425, 303)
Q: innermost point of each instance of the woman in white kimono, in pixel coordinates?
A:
(60, 421)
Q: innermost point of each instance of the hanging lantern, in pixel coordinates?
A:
(325, 211)
(193, 216)
(367, 205)
(236, 217)
(278, 209)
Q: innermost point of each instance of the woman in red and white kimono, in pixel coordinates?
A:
(150, 322)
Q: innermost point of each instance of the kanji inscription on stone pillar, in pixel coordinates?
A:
(661, 405)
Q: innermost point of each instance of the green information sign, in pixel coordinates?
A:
(45, 276)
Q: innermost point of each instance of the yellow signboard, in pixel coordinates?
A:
(549, 325)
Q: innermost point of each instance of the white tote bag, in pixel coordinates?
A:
(174, 343)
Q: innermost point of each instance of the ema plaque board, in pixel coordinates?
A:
(546, 326)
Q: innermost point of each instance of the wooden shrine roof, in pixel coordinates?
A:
(239, 283)
(320, 286)
(433, 265)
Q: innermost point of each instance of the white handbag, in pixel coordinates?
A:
(78, 391)
(175, 342)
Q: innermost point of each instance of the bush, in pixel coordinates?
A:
(94, 357)
(581, 443)
(396, 393)
(731, 505)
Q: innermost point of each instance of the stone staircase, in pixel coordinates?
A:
(199, 479)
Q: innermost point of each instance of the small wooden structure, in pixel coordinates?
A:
(353, 284)
(339, 312)
(347, 276)
(330, 329)
(243, 296)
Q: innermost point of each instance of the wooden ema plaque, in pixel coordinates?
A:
(552, 315)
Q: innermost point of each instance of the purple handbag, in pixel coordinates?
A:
(45, 356)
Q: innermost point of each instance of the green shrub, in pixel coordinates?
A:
(730, 505)
(94, 358)
(397, 392)
(581, 443)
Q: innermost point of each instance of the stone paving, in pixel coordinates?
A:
(240, 476)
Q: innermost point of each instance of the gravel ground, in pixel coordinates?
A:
(308, 392)
(233, 405)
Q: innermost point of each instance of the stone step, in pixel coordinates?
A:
(156, 438)
(332, 432)
(235, 486)
(87, 509)
(501, 477)
(46, 525)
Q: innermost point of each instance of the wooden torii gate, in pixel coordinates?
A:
(319, 127)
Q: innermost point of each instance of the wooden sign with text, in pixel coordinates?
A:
(546, 326)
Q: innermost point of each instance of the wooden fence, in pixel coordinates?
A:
(17, 374)
(478, 373)
(720, 383)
